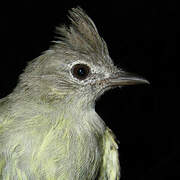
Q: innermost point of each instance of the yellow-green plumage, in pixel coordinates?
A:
(49, 129)
(43, 146)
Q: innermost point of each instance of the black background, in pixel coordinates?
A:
(141, 36)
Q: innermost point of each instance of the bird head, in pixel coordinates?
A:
(76, 65)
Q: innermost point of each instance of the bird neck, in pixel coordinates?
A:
(78, 110)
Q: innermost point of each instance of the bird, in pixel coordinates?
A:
(49, 129)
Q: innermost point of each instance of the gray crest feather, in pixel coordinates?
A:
(81, 35)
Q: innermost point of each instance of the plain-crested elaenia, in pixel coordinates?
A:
(49, 129)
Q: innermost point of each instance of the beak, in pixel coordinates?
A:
(124, 78)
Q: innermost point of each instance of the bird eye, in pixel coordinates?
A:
(80, 71)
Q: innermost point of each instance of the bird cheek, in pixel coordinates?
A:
(98, 86)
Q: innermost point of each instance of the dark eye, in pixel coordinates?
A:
(80, 71)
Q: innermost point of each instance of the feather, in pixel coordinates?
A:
(81, 35)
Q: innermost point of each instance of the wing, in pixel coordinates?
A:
(110, 168)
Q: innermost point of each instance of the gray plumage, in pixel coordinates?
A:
(49, 129)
